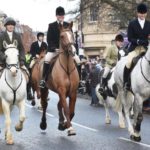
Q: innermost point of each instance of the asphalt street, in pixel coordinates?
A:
(89, 123)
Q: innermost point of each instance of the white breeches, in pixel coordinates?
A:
(49, 56)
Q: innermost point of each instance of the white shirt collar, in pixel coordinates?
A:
(141, 22)
(39, 42)
(60, 22)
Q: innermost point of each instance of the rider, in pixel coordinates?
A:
(111, 59)
(138, 32)
(38, 46)
(53, 36)
(9, 35)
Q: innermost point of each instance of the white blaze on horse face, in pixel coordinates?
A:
(69, 37)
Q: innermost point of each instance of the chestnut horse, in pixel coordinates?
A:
(63, 80)
(35, 77)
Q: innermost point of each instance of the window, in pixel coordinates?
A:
(93, 13)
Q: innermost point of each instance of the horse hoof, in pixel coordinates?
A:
(108, 121)
(10, 142)
(62, 126)
(33, 103)
(71, 132)
(18, 128)
(40, 108)
(43, 125)
(122, 126)
(134, 138)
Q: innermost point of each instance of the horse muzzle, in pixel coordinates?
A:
(14, 71)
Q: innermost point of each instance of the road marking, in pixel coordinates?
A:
(139, 143)
(85, 127)
(77, 124)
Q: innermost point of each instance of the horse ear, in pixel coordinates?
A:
(5, 45)
(71, 25)
(15, 43)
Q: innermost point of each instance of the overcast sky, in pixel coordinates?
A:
(35, 13)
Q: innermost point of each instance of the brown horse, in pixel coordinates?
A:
(35, 76)
(64, 80)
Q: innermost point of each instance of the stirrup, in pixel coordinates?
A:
(42, 84)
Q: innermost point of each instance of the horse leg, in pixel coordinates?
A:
(61, 126)
(33, 100)
(66, 109)
(8, 134)
(126, 101)
(107, 117)
(44, 94)
(21, 106)
(121, 119)
(138, 104)
(72, 102)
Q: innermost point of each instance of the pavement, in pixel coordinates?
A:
(89, 123)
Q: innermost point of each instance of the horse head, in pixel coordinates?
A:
(67, 39)
(12, 57)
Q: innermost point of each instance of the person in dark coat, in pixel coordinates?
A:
(94, 77)
(53, 36)
(38, 46)
(9, 35)
(138, 34)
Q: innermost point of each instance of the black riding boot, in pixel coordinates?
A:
(126, 76)
(103, 84)
(46, 69)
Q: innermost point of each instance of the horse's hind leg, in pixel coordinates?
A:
(8, 134)
(44, 94)
(107, 117)
(21, 106)
(138, 117)
(127, 103)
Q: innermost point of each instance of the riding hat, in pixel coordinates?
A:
(40, 34)
(9, 21)
(60, 11)
(142, 8)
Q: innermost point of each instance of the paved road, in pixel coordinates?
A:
(92, 133)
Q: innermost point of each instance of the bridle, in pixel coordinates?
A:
(9, 66)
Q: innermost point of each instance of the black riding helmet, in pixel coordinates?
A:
(40, 34)
(60, 11)
(142, 8)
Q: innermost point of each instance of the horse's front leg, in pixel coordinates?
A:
(44, 103)
(138, 117)
(8, 134)
(121, 119)
(62, 125)
(21, 106)
(62, 96)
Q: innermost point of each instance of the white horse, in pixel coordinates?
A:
(140, 83)
(109, 100)
(12, 89)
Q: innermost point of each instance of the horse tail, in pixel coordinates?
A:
(1, 109)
